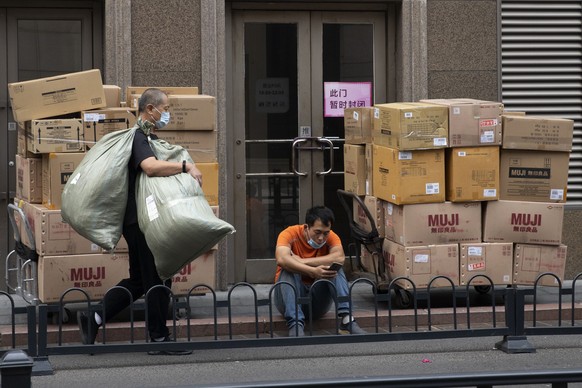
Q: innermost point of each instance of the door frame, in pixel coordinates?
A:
(310, 107)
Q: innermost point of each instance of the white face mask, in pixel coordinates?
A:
(314, 244)
(164, 119)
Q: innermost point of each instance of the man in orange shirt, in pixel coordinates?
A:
(305, 254)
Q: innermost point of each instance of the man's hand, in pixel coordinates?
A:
(323, 272)
(195, 172)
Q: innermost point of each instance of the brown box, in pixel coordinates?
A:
(410, 125)
(530, 261)
(52, 235)
(112, 96)
(538, 176)
(55, 135)
(369, 260)
(358, 125)
(523, 222)
(29, 179)
(374, 206)
(405, 177)
(369, 169)
(472, 174)
(132, 93)
(538, 133)
(472, 122)
(57, 168)
(209, 181)
(56, 96)
(22, 142)
(94, 273)
(355, 168)
(433, 223)
(200, 271)
(422, 263)
(100, 122)
(494, 260)
(192, 113)
(201, 145)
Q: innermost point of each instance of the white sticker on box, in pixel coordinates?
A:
(94, 117)
(440, 141)
(152, 208)
(462, 153)
(75, 179)
(389, 208)
(475, 251)
(506, 278)
(408, 115)
(421, 258)
(456, 110)
(432, 188)
(557, 194)
(376, 113)
(405, 156)
(488, 137)
(356, 116)
(489, 193)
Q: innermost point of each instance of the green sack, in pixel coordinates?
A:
(95, 196)
(174, 216)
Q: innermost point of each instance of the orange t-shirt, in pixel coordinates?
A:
(294, 238)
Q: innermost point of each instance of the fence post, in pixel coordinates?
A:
(516, 342)
(16, 369)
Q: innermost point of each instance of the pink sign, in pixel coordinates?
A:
(338, 96)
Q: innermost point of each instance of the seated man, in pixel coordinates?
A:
(304, 254)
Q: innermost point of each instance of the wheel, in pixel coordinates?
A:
(483, 289)
(403, 299)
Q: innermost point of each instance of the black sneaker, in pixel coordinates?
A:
(184, 352)
(351, 328)
(88, 331)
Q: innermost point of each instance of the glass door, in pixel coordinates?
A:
(288, 156)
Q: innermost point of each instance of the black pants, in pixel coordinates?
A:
(142, 276)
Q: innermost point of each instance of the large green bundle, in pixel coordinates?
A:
(95, 196)
(174, 216)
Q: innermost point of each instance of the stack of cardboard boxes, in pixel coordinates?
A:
(59, 119)
(451, 199)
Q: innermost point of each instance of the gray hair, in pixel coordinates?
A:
(150, 96)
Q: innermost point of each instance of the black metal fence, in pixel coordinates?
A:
(517, 324)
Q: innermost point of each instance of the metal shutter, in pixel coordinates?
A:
(541, 48)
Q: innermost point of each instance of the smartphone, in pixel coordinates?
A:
(335, 267)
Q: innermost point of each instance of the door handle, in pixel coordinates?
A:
(294, 151)
(330, 144)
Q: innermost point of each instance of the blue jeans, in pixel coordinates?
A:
(322, 297)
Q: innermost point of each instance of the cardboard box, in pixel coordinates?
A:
(370, 261)
(472, 174)
(358, 125)
(58, 135)
(523, 222)
(374, 206)
(100, 122)
(369, 169)
(472, 122)
(410, 125)
(432, 223)
(538, 133)
(210, 172)
(94, 273)
(494, 260)
(201, 145)
(132, 93)
(538, 176)
(355, 169)
(530, 261)
(192, 113)
(112, 96)
(57, 168)
(421, 264)
(22, 142)
(56, 96)
(200, 271)
(29, 179)
(404, 177)
(52, 236)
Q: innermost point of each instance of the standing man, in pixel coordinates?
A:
(153, 111)
(306, 253)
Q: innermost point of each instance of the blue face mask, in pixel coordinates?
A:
(315, 245)
(164, 119)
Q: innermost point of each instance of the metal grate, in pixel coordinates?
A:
(541, 48)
